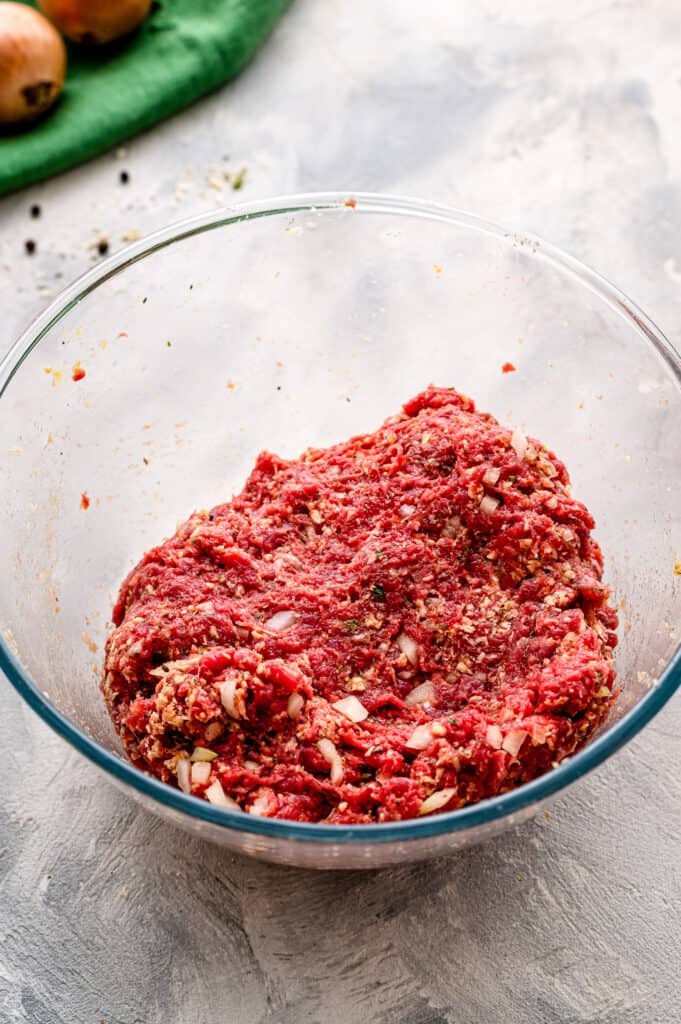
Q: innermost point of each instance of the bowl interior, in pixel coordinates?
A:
(289, 328)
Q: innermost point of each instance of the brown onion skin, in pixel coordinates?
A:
(32, 64)
(95, 22)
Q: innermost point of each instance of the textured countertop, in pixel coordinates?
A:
(562, 119)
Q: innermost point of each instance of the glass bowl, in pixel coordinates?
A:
(301, 321)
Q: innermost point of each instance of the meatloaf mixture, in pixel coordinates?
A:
(404, 623)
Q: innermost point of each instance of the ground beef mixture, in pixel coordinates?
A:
(404, 623)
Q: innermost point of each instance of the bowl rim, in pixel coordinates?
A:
(481, 813)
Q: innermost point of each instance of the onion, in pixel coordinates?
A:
(285, 559)
(407, 510)
(421, 694)
(228, 696)
(352, 708)
(280, 621)
(258, 807)
(436, 800)
(264, 804)
(492, 474)
(203, 754)
(95, 21)
(513, 741)
(408, 647)
(519, 443)
(295, 705)
(539, 734)
(328, 751)
(216, 794)
(488, 505)
(32, 63)
(182, 769)
(421, 738)
(200, 773)
(494, 736)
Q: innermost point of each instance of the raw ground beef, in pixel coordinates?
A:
(404, 623)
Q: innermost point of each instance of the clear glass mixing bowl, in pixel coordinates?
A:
(297, 322)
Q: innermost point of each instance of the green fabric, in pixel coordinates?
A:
(184, 49)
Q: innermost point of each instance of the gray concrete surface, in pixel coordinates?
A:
(559, 118)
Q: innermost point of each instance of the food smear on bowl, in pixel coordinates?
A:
(401, 624)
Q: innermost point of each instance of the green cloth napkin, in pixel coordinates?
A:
(184, 49)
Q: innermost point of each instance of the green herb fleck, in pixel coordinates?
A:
(378, 593)
(238, 180)
(352, 625)
(380, 555)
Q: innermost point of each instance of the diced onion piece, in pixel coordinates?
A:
(421, 694)
(408, 647)
(295, 705)
(513, 741)
(182, 769)
(492, 474)
(436, 800)
(494, 736)
(407, 510)
(228, 697)
(280, 621)
(264, 805)
(200, 773)
(539, 734)
(327, 748)
(216, 794)
(286, 559)
(251, 765)
(488, 505)
(329, 752)
(203, 754)
(352, 708)
(421, 737)
(519, 443)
